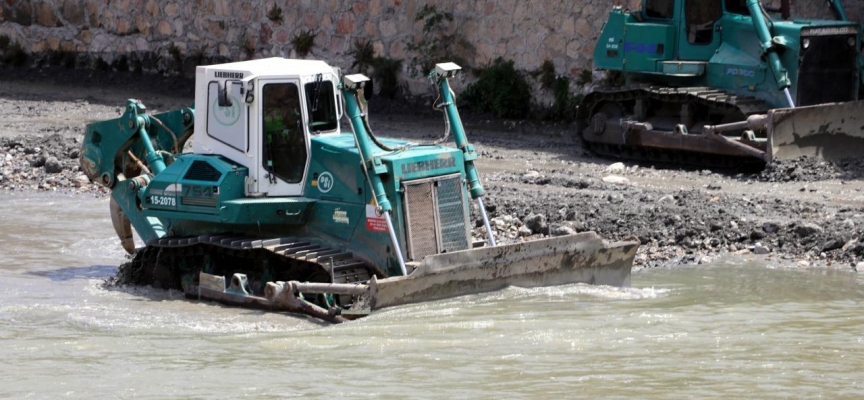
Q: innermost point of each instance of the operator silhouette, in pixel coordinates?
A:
(284, 141)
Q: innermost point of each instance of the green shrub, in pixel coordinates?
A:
(13, 54)
(364, 56)
(61, 58)
(386, 75)
(383, 71)
(275, 14)
(303, 42)
(177, 58)
(564, 108)
(437, 45)
(501, 90)
(101, 65)
(121, 63)
(137, 64)
(585, 77)
(546, 74)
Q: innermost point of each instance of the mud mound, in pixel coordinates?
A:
(808, 169)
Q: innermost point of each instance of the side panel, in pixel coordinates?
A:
(609, 50)
(737, 65)
(647, 43)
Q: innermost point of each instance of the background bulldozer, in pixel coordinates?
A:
(726, 83)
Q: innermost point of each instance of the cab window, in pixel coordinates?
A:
(659, 8)
(321, 103)
(737, 7)
(701, 16)
(227, 124)
(284, 144)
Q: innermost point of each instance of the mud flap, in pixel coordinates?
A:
(580, 258)
(828, 131)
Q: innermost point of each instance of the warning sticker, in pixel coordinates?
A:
(375, 222)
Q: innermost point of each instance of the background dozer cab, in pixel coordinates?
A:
(726, 83)
(276, 208)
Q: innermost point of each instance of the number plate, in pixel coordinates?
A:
(163, 201)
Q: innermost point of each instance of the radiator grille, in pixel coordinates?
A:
(451, 214)
(828, 70)
(420, 210)
(435, 215)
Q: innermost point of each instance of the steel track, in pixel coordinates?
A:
(665, 96)
(174, 263)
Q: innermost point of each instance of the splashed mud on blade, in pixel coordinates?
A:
(828, 131)
(580, 258)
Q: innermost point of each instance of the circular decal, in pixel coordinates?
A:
(226, 116)
(325, 182)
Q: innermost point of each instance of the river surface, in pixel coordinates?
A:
(729, 330)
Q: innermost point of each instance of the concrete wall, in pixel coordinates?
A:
(528, 32)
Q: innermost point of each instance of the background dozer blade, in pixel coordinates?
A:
(580, 258)
(829, 131)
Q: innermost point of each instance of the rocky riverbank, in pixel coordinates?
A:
(43, 163)
(677, 225)
(539, 181)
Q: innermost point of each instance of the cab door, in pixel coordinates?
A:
(284, 144)
(699, 33)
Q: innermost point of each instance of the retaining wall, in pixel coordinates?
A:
(156, 31)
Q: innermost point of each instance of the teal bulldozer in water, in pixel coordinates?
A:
(726, 83)
(275, 207)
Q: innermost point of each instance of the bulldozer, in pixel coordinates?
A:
(725, 83)
(272, 206)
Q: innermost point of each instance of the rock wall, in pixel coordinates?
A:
(158, 33)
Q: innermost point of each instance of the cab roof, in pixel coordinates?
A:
(274, 66)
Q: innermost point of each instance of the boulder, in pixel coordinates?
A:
(808, 229)
(616, 168)
(39, 161)
(53, 165)
(536, 223)
(834, 244)
(771, 227)
(616, 180)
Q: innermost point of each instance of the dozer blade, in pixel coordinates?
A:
(580, 258)
(828, 131)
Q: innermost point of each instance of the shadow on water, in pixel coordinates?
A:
(72, 273)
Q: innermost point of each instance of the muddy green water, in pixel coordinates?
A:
(728, 330)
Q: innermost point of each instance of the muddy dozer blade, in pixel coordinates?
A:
(827, 131)
(579, 258)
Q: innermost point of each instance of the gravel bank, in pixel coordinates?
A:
(539, 181)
